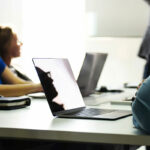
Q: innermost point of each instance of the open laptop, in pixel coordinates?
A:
(63, 94)
(90, 72)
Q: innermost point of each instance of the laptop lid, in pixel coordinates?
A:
(90, 72)
(59, 84)
(63, 94)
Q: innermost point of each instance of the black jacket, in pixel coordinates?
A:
(144, 51)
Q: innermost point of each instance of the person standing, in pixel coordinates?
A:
(144, 51)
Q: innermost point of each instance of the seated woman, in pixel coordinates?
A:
(141, 107)
(10, 48)
(15, 86)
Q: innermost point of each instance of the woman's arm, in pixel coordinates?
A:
(16, 86)
(19, 89)
(10, 78)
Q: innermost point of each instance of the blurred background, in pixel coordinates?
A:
(69, 28)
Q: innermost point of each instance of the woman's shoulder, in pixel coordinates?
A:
(1, 60)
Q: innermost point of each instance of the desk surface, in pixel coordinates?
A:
(36, 122)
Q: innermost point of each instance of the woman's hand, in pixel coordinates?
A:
(39, 87)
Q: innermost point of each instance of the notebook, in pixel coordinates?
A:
(90, 72)
(10, 103)
(63, 94)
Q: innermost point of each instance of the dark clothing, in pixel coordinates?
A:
(148, 1)
(147, 69)
(141, 107)
(2, 68)
(144, 51)
(19, 74)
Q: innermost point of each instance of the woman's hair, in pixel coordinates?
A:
(6, 35)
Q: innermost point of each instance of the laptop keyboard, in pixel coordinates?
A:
(93, 112)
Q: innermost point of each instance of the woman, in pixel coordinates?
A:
(15, 86)
(10, 48)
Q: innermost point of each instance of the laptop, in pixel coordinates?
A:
(90, 72)
(63, 94)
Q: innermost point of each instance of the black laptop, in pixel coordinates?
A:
(90, 72)
(63, 94)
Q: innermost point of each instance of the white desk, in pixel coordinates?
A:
(36, 122)
(113, 97)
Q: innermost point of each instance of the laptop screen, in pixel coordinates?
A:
(59, 84)
(90, 72)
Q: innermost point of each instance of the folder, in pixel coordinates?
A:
(9, 103)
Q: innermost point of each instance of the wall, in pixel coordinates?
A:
(117, 18)
(122, 64)
(53, 29)
(50, 30)
(11, 14)
(47, 28)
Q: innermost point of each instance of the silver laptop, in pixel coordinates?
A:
(90, 72)
(63, 94)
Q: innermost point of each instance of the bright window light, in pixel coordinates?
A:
(54, 28)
